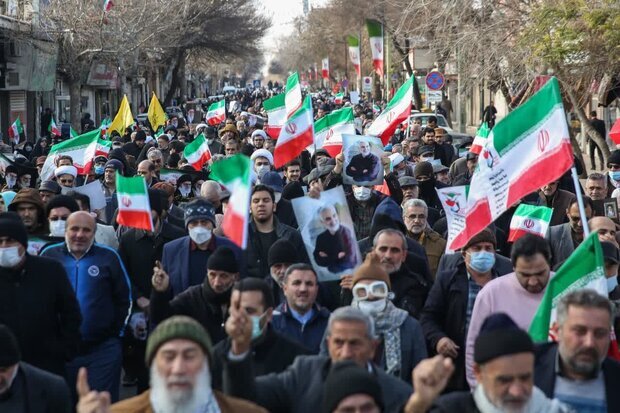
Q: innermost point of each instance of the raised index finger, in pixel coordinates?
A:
(82, 386)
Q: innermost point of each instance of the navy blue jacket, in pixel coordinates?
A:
(175, 260)
(308, 335)
(102, 288)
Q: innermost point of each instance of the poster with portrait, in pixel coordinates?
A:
(362, 160)
(329, 237)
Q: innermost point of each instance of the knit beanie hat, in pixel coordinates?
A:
(174, 328)
(500, 336)
(9, 349)
(346, 379)
(116, 165)
(423, 169)
(165, 187)
(614, 157)
(12, 226)
(199, 208)
(371, 269)
(486, 235)
(223, 259)
(61, 201)
(282, 251)
(156, 200)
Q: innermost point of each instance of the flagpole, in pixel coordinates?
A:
(582, 210)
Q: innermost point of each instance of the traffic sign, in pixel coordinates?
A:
(434, 96)
(367, 84)
(435, 81)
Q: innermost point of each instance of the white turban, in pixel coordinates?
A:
(66, 169)
(264, 153)
(259, 132)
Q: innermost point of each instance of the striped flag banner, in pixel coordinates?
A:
(529, 219)
(276, 115)
(197, 153)
(134, 208)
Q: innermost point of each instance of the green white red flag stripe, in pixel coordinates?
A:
(325, 68)
(396, 111)
(53, 129)
(216, 113)
(354, 52)
(375, 108)
(103, 147)
(234, 174)
(276, 115)
(584, 268)
(329, 129)
(296, 135)
(482, 134)
(529, 219)
(82, 149)
(292, 97)
(454, 202)
(197, 153)
(134, 208)
(104, 126)
(16, 130)
(338, 98)
(107, 5)
(375, 33)
(526, 150)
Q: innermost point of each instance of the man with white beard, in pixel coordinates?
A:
(179, 353)
(335, 247)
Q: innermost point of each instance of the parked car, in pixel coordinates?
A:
(457, 137)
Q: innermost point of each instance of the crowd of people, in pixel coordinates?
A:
(187, 321)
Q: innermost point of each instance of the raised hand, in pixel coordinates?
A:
(90, 401)
(429, 378)
(238, 325)
(160, 280)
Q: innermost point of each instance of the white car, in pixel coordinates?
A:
(457, 137)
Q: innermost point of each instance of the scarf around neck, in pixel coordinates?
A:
(387, 325)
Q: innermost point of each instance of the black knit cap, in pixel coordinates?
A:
(12, 226)
(282, 251)
(156, 200)
(500, 336)
(9, 349)
(346, 379)
(223, 259)
(614, 157)
(199, 208)
(61, 201)
(423, 169)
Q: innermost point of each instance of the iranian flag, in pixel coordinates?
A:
(480, 139)
(276, 115)
(529, 219)
(72, 132)
(16, 130)
(584, 268)
(354, 52)
(396, 112)
(103, 147)
(375, 33)
(216, 113)
(375, 108)
(339, 98)
(197, 153)
(329, 129)
(134, 208)
(105, 123)
(325, 68)
(454, 202)
(234, 174)
(53, 129)
(107, 5)
(82, 149)
(292, 97)
(526, 150)
(296, 134)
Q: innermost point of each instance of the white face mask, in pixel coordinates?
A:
(372, 307)
(9, 257)
(200, 235)
(361, 193)
(57, 228)
(612, 282)
(262, 170)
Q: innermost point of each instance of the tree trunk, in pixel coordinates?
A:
(174, 83)
(75, 96)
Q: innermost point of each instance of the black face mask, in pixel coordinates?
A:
(427, 186)
(212, 296)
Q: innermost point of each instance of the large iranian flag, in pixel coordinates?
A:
(395, 113)
(296, 134)
(216, 113)
(82, 149)
(529, 219)
(375, 33)
(197, 153)
(276, 115)
(292, 97)
(134, 208)
(480, 140)
(53, 129)
(234, 174)
(16, 130)
(329, 129)
(354, 52)
(584, 268)
(526, 150)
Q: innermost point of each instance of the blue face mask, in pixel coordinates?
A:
(615, 175)
(256, 328)
(99, 170)
(482, 261)
(612, 282)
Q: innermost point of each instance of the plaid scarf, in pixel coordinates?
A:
(387, 325)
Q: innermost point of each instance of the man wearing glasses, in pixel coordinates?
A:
(564, 238)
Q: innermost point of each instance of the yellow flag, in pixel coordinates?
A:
(156, 114)
(123, 118)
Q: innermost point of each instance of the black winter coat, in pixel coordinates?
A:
(410, 290)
